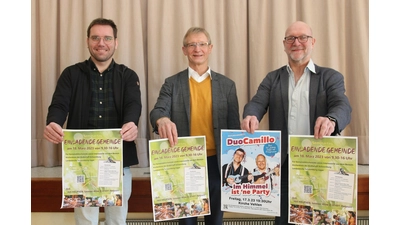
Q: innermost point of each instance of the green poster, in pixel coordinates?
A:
(92, 168)
(179, 178)
(322, 179)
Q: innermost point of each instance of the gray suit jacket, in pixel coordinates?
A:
(174, 102)
(326, 96)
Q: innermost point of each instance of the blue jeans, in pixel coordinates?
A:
(115, 215)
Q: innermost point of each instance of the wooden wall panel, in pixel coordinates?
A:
(46, 195)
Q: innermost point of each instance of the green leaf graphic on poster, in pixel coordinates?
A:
(178, 176)
(92, 167)
(322, 175)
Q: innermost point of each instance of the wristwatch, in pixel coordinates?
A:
(331, 119)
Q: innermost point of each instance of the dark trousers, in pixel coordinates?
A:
(283, 219)
(214, 187)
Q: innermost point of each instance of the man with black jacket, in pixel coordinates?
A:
(99, 94)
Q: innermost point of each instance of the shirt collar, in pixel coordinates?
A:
(94, 67)
(310, 66)
(196, 76)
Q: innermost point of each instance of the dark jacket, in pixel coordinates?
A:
(326, 96)
(72, 98)
(174, 103)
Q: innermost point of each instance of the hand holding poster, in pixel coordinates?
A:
(251, 172)
(179, 178)
(92, 168)
(322, 179)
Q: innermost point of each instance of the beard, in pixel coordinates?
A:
(297, 57)
(102, 57)
(305, 55)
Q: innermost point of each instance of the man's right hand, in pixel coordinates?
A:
(250, 124)
(167, 129)
(53, 133)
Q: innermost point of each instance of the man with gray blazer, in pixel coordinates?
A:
(198, 101)
(302, 99)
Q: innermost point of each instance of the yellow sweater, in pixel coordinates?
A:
(201, 120)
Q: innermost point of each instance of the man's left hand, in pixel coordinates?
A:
(323, 127)
(129, 131)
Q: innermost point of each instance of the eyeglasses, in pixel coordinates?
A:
(106, 39)
(301, 39)
(200, 44)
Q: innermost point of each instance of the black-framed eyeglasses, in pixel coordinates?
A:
(194, 44)
(106, 39)
(301, 39)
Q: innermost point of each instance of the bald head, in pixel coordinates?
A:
(298, 26)
(298, 44)
(261, 162)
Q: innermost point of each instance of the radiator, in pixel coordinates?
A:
(230, 221)
(200, 221)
